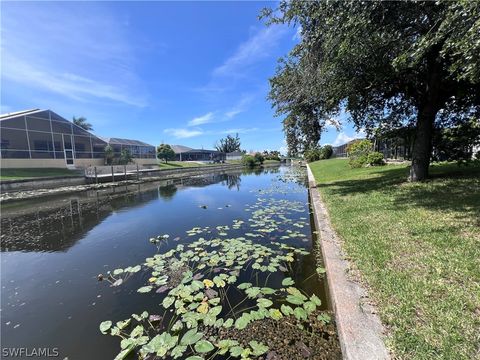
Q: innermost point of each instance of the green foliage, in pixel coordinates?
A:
(228, 144)
(82, 122)
(457, 143)
(312, 155)
(327, 152)
(125, 157)
(358, 152)
(375, 158)
(318, 153)
(259, 158)
(271, 155)
(165, 152)
(109, 154)
(382, 62)
(252, 161)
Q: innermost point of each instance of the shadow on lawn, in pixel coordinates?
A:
(450, 188)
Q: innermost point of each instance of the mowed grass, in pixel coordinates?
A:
(417, 246)
(18, 174)
(179, 164)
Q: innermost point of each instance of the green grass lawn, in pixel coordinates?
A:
(18, 174)
(417, 246)
(178, 164)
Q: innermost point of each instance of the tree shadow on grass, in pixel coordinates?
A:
(450, 188)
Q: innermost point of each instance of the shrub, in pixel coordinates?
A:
(358, 153)
(259, 158)
(326, 152)
(312, 155)
(249, 161)
(375, 159)
(318, 153)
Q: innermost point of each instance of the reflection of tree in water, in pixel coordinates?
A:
(232, 181)
(167, 192)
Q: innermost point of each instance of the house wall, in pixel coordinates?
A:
(32, 163)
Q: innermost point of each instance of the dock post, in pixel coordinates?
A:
(125, 172)
(96, 179)
(138, 175)
(113, 176)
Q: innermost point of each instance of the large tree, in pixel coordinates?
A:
(404, 62)
(82, 122)
(165, 152)
(228, 144)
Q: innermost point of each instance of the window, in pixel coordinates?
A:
(14, 139)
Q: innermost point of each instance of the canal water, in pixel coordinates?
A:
(54, 249)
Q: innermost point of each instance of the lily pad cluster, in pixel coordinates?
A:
(229, 279)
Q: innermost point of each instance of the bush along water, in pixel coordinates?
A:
(360, 153)
(318, 153)
(230, 291)
(253, 160)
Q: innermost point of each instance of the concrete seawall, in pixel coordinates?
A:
(360, 331)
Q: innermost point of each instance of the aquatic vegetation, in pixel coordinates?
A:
(226, 283)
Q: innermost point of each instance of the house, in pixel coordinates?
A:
(341, 151)
(142, 152)
(235, 155)
(41, 138)
(185, 153)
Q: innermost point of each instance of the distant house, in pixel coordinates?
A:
(341, 151)
(143, 152)
(41, 138)
(185, 153)
(235, 155)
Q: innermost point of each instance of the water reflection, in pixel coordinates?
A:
(57, 224)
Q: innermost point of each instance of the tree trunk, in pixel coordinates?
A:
(422, 144)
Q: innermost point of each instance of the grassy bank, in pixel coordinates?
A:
(179, 164)
(417, 247)
(19, 174)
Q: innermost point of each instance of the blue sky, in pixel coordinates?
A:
(175, 72)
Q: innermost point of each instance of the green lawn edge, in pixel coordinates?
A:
(417, 246)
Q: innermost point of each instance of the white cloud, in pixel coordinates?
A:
(254, 49)
(184, 133)
(69, 85)
(204, 119)
(238, 131)
(240, 107)
(343, 138)
(85, 60)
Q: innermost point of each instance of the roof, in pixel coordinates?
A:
(235, 153)
(18, 113)
(119, 141)
(180, 148)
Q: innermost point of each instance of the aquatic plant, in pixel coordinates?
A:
(226, 280)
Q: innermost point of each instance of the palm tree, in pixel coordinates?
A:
(82, 122)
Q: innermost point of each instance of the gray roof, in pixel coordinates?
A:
(235, 153)
(180, 148)
(119, 141)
